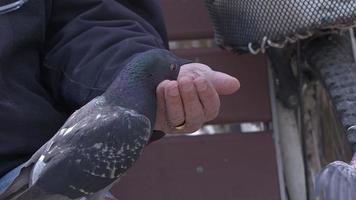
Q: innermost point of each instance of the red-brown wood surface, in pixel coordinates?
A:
(226, 167)
(252, 101)
(186, 19)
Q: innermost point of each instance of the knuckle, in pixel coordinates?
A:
(159, 89)
(172, 85)
(202, 80)
(161, 86)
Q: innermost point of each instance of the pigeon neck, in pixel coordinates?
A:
(133, 94)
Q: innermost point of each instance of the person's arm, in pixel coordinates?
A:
(89, 41)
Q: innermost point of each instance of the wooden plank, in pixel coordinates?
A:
(252, 102)
(228, 166)
(186, 19)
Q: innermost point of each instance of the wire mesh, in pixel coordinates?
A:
(255, 24)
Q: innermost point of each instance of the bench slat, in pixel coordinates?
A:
(227, 166)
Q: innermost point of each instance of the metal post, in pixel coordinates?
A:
(277, 141)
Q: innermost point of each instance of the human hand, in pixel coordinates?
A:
(183, 106)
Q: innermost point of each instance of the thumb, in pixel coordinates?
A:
(224, 83)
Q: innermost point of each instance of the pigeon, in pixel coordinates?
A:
(100, 141)
(337, 181)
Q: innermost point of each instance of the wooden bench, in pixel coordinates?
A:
(228, 166)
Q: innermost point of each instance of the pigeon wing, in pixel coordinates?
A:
(87, 156)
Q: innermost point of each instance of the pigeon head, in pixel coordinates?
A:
(135, 87)
(152, 67)
(146, 70)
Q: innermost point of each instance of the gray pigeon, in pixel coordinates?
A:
(337, 181)
(100, 141)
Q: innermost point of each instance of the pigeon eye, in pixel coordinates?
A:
(173, 67)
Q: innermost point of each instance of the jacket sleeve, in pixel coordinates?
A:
(89, 41)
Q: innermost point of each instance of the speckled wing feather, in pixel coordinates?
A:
(96, 145)
(337, 181)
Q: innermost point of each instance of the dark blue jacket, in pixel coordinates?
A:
(56, 55)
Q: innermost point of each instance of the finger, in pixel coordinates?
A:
(223, 83)
(194, 115)
(174, 105)
(208, 97)
(160, 110)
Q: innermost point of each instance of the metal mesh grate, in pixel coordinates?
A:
(252, 24)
